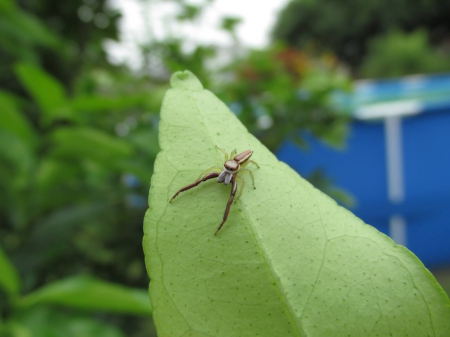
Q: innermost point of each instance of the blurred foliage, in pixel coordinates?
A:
(346, 28)
(78, 138)
(255, 85)
(45, 321)
(65, 38)
(174, 57)
(258, 96)
(399, 54)
(320, 180)
(31, 315)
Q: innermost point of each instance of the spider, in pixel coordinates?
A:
(233, 168)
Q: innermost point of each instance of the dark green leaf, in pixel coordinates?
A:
(46, 322)
(98, 103)
(230, 23)
(48, 93)
(12, 120)
(89, 143)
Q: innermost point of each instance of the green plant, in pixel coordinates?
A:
(398, 54)
(70, 184)
(289, 260)
(279, 92)
(34, 314)
(332, 25)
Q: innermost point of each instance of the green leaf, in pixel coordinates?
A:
(230, 23)
(12, 120)
(17, 159)
(288, 262)
(48, 322)
(89, 143)
(48, 93)
(87, 293)
(99, 103)
(23, 27)
(9, 278)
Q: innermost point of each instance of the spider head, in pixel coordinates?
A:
(231, 165)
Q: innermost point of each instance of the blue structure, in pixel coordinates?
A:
(396, 163)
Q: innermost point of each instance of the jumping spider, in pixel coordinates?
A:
(233, 169)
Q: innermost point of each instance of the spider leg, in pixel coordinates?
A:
(188, 187)
(233, 153)
(211, 169)
(253, 162)
(250, 161)
(224, 152)
(241, 188)
(243, 171)
(230, 201)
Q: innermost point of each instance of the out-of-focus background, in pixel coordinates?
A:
(354, 95)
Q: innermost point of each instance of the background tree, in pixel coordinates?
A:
(78, 140)
(345, 28)
(399, 54)
(64, 38)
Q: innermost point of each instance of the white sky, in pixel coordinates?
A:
(149, 20)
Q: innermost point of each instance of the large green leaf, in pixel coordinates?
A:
(288, 262)
(91, 294)
(9, 278)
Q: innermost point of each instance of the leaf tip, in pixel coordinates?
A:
(185, 79)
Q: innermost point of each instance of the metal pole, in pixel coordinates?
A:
(394, 161)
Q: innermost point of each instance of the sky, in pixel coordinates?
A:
(144, 21)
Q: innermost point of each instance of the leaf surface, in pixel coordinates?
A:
(288, 262)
